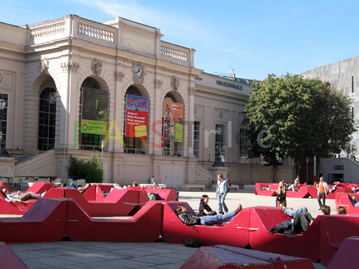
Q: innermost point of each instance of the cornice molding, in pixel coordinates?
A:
(11, 52)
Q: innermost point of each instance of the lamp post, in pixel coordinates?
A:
(218, 159)
(2, 143)
(261, 158)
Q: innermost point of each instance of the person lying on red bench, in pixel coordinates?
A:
(189, 218)
(21, 197)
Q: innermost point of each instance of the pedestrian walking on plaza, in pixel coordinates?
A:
(221, 192)
(322, 192)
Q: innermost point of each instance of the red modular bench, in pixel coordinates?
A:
(340, 189)
(220, 256)
(44, 222)
(272, 191)
(302, 192)
(347, 255)
(144, 226)
(119, 202)
(165, 194)
(333, 231)
(40, 187)
(263, 219)
(14, 208)
(234, 233)
(342, 199)
(9, 259)
(2, 184)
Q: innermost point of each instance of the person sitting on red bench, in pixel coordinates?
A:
(18, 197)
(189, 218)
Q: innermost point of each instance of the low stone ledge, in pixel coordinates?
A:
(191, 187)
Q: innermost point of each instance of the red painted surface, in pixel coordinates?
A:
(44, 222)
(165, 194)
(302, 192)
(220, 256)
(343, 200)
(262, 219)
(235, 233)
(14, 208)
(347, 255)
(272, 191)
(2, 184)
(9, 259)
(333, 231)
(119, 202)
(40, 187)
(144, 226)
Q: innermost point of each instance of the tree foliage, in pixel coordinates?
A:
(290, 116)
(81, 169)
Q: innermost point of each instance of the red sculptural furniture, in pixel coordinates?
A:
(234, 233)
(272, 191)
(144, 226)
(263, 219)
(9, 259)
(14, 208)
(119, 202)
(40, 187)
(334, 230)
(44, 222)
(221, 256)
(347, 255)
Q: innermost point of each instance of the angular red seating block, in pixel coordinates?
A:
(234, 233)
(44, 222)
(119, 202)
(333, 231)
(302, 192)
(40, 187)
(9, 259)
(14, 208)
(165, 194)
(263, 219)
(341, 190)
(220, 256)
(347, 255)
(272, 191)
(342, 199)
(144, 226)
(3, 184)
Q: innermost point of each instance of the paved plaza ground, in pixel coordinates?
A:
(67, 254)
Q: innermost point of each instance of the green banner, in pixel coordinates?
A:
(178, 132)
(94, 111)
(93, 127)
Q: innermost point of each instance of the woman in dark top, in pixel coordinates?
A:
(204, 208)
(281, 195)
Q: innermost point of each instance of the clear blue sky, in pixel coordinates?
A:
(253, 37)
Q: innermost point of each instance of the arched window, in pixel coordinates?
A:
(131, 144)
(93, 115)
(170, 146)
(47, 118)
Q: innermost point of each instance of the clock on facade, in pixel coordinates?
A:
(138, 71)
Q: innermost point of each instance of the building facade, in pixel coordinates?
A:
(345, 76)
(117, 91)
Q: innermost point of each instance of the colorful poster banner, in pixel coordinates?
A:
(136, 116)
(135, 102)
(94, 111)
(178, 132)
(173, 111)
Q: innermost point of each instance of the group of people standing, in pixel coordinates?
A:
(322, 187)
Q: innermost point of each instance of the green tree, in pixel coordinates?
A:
(81, 169)
(290, 116)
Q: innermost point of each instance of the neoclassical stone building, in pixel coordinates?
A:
(117, 91)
